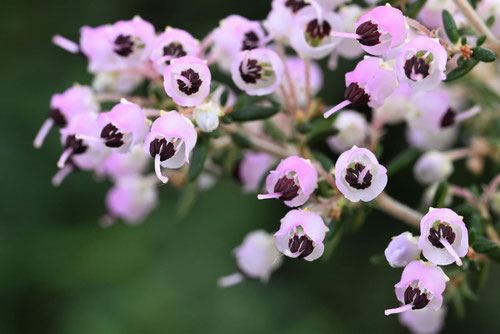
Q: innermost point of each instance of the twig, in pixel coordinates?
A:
(397, 209)
(307, 63)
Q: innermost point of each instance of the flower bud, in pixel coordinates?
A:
(402, 250)
(352, 129)
(207, 115)
(433, 167)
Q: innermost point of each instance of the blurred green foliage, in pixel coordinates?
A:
(62, 273)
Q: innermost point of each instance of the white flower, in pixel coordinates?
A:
(433, 167)
(207, 115)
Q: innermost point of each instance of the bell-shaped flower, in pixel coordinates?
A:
(279, 20)
(421, 63)
(117, 82)
(252, 169)
(359, 176)
(371, 82)
(352, 131)
(432, 167)
(172, 44)
(312, 32)
(124, 126)
(402, 250)
(443, 237)
(170, 141)
(293, 181)
(132, 199)
(257, 257)
(297, 70)
(65, 106)
(187, 81)
(423, 321)
(301, 235)
(421, 286)
(381, 29)
(257, 71)
(123, 45)
(206, 116)
(119, 165)
(234, 34)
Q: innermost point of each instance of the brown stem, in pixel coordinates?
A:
(398, 210)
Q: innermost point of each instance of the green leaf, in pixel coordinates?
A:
(460, 71)
(485, 246)
(402, 160)
(480, 41)
(198, 158)
(483, 54)
(187, 199)
(490, 21)
(414, 8)
(253, 112)
(325, 161)
(440, 195)
(333, 238)
(458, 304)
(450, 27)
(241, 140)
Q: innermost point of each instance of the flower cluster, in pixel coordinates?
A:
(157, 113)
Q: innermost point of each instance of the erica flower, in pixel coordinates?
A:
(207, 115)
(132, 199)
(443, 237)
(122, 45)
(352, 129)
(293, 181)
(433, 167)
(421, 63)
(311, 34)
(421, 286)
(301, 235)
(402, 250)
(359, 176)
(65, 106)
(187, 81)
(171, 139)
(124, 126)
(371, 82)
(119, 165)
(296, 69)
(423, 321)
(172, 44)
(257, 257)
(257, 72)
(396, 106)
(234, 34)
(252, 169)
(116, 82)
(381, 29)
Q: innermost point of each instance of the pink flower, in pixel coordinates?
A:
(257, 72)
(301, 235)
(402, 250)
(187, 81)
(421, 63)
(234, 34)
(124, 126)
(443, 237)
(172, 44)
(311, 34)
(293, 181)
(123, 45)
(422, 285)
(359, 176)
(395, 106)
(423, 321)
(370, 83)
(252, 169)
(132, 198)
(381, 29)
(352, 130)
(170, 141)
(296, 68)
(64, 107)
(119, 165)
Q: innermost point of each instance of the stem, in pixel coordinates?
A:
(398, 210)
(459, 153)
(288, 77)
(478, 23)
(307, 62)
(420, 27)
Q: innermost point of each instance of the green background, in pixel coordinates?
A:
(61, 273)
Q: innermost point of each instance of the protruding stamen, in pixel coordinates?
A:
(318, 9)
(400, 309)
(339, 106)
(345, 34)
(230, 280)
(467, 114)
(64, 157)
(65, 44)
(42, 133)
(160, 176)
(268, 196)
(61, 174)
(451, 250)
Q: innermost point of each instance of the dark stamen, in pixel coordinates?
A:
(124, 45)
(77, 145)
(352, 177)
(416, 297)
(251, 41)
(417, 66)
(356, 95)
(369, 33)
(252, 73)
(58, 117)
(193, 78)
(304, 245)
(443, 232)
(111, 135)
(448, 118)
(161, 147)
(295, 5)
(315, 30)
(175, 50)
(287, 188)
